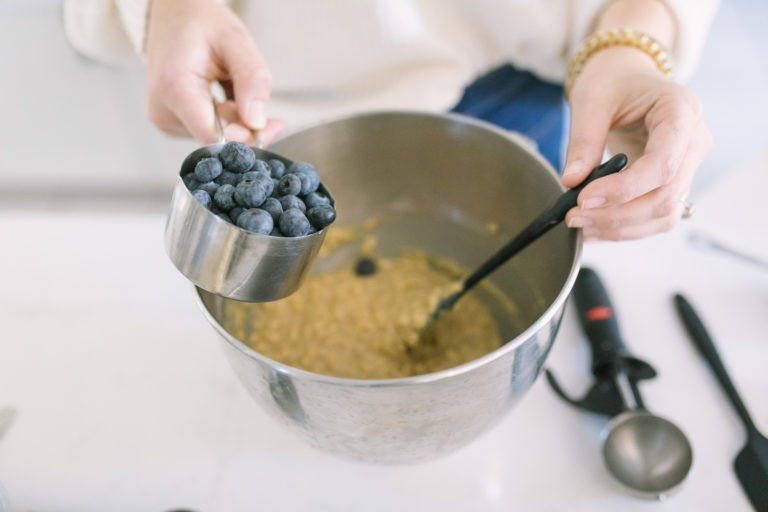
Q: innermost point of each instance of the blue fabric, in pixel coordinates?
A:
(517, 100)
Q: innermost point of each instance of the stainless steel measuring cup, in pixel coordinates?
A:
(223, 258)
(647, 454)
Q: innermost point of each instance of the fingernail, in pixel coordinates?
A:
(257, 115)
(579, 222)
(574, 167)
(593, 202)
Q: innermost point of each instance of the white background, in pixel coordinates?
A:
(125, 401)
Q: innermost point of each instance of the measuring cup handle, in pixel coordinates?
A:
(219, 127)
(598, 319)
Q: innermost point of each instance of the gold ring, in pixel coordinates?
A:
(688, 207)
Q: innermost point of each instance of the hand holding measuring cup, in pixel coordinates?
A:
(191, 44)
(235, 258)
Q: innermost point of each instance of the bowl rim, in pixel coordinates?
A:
(447, 373)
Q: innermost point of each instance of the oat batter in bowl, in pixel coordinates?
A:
(346, 325)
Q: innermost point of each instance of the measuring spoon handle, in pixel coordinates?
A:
(706, 347)
(544, 222)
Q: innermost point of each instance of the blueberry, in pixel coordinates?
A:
(321, 216)
(225, 197)
(190, 181)
(254, 175)
(276, 232)
(277, 167)
(308, 183)
(203, 197)
(293, 223)
(237, 157)
(224, 216)
(250, 194)
(314, 182)
(310, 180)
(316, 199)
(261, 177)
(235, 212)
(208, 169)
(228, 178)
(365, 267)
(302, 167)
(275, 190)
(209, 187)
(261, 166)
(289, 185)
(256, 220)
(288, 202)
(273, 207)
(269, 186)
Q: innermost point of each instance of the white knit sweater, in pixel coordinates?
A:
(334, 57)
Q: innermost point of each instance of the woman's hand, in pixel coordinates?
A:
(622, 98)
(191, 44)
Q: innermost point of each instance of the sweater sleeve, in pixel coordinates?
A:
(693, 18)
(134, 15)
(111, 31)
(93, 27)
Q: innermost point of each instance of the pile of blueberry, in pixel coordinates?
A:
(261, 196)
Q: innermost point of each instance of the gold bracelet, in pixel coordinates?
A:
(616, 37)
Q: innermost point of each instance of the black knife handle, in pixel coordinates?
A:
(706, 347)
(599, 322)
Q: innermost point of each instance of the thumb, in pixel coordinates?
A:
(251, 79)
(590, 124)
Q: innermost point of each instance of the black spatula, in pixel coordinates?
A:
(751, 464)
(545, 221)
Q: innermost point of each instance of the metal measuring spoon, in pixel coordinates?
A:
(645, 453)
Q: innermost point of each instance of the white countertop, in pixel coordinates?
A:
(125, 401)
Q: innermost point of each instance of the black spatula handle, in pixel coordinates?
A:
(599, 322)
(568, 199)
(544, 222)
(706, 348)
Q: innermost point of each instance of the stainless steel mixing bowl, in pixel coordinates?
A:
(439, 179)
